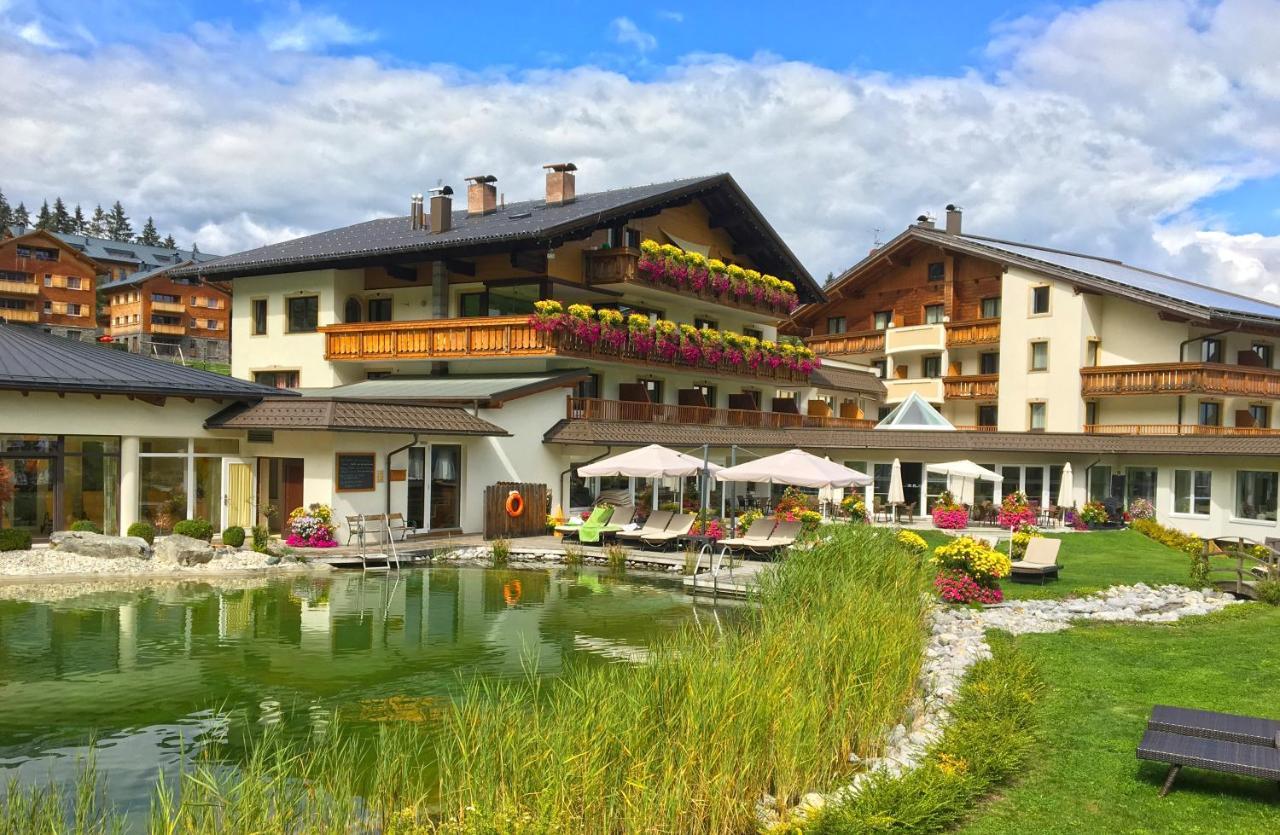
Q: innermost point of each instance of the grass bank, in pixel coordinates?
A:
(685, 743)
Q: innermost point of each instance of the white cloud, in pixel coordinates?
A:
(33, 33)
(307, 31)
(240, 148)
(671, 16)
(627, 33)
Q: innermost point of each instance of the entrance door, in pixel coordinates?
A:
(445, 500)
(913, 483)
(238, 493)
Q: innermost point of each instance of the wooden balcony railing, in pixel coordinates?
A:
(168, 330)
(621, 266)
(497, 337)
(971, 387)
(867, 342)
(1180, 378)
(19, 288)
(960, 334)
(590, 408)
(1175, 429)
(10, 315)
(168, 307)
(975, 428)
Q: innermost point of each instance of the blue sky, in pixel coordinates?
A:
(1143, 129)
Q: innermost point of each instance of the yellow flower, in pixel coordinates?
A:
(671, 251)
(582, 311)
(788, 287)
(913, 542)
(716, 265)
(609, 316)
(695, 259)
(737, 272)
(650, 247)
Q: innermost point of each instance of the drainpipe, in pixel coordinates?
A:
(412, 443)
(607, 452)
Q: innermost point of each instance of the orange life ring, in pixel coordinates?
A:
(511, 592)
(515, 504)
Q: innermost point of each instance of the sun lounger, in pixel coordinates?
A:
(1230, 727)
(1178, 750)
(598, 519)
(783, 536)
(757, 533)
(1038, 563)
(656, 523)
(678, 526)
(623, 515)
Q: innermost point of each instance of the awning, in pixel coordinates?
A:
(303, 414)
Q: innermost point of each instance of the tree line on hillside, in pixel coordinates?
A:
(113, 224)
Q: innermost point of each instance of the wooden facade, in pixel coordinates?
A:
(162, 306)
(45, 281)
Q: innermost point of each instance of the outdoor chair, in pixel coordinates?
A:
(362, 526)
(908, 513)
(678, 527)
(879, 511)
(1213, 754)
(656, 523)
(396, 524)
(589, 531)
(781, 537)
(757, 533)
(1231, 727)
(1039, 563)
(623, 515)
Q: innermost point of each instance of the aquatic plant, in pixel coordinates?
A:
(501, 551)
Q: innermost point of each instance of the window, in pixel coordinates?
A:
(988, 415)
(589, 387)
(709, 324)
(654, 387)
(1091, 413)
(1140, 483)
(48, 306)
(1099, 477)
(1256, 495)
(471, 305)
(302, 313)
(883, 319)
(1036, 417)
(1210, 413)
(513, 299)
(48, 280)
(277, 379)
(379, 310)
(352, 311)
(1191, 491)
(166, 297)
(991, 308)
(1211, 350)
(73, 282)
(73, 309)
(12, 304)
(933, 314)
(211, 324)
(708, 394)
(1093, 353)
(1261, 415)
(937, 271)
(931, 366)
(259, 310)
(1033, 484)
(836, 324)
(989, 363)
(195, 301)
(1040, 300)
(1264, 352)
(754, 333)
(1039, 356)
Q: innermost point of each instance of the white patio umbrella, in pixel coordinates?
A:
(896, 495)
(1066, 492)
(795, 467)
(653, 461)
(964, 473)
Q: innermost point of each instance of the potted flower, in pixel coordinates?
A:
(948, 514)
(1015, 510)
(1094, 515)
(312, 527)
(1141, 508)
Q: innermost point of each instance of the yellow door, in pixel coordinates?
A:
(239, 499)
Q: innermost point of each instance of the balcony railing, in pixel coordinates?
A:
(621, 266)
(915, 338)
(931, 389)
(168, 307)
(867, 342)
(971, 387)
(590, 408)
(170, 330)
(499, 337)
(1179, 378)
(1175, 429)
(10, 315)
(960, 334)
(19, 288)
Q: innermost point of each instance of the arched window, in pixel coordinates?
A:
(352, 310)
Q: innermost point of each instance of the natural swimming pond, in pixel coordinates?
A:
(147, 674)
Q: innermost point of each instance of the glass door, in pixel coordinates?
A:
(444, 502)
(238, 497)
(27, 498)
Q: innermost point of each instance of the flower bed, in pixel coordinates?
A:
(948, 514)
(312, 527)
(672, 266)
(1015, 511)
(1094, 514)
(636, 337)
(969, 571)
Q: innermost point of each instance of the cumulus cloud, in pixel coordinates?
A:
(240, 149)
(308, 31)
(626, 32)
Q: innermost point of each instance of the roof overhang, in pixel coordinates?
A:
(46, 235)
(324, 415)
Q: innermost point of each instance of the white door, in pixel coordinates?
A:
(239, 505)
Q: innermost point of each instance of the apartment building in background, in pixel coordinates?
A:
(154, 312)
(48, 283)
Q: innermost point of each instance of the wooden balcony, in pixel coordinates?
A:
(498, 337)
(971, 387)
(168, 307)
(168, 330)
(960, 334)
(1176, 429)
(831, 344)
(590, 408)
(9, 315)
(620, 266)
(19, 288)
(1179, 378)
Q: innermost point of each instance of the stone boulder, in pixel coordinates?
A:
(101, 546)
(183, 550)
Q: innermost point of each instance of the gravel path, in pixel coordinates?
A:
(50, 564)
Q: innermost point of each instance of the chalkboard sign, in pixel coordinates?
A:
(356, 470)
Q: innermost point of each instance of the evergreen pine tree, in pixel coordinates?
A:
(6, 214)
(98, 223)
(61, 218)
(79, 225)
(118, 226)
(149, 235)
(44, 220)
(195, 249)
(169, 242)
(21, 217)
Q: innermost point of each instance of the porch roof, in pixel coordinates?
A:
(488, 390)
(317, 414)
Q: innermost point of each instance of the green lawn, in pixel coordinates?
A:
(1102, 682)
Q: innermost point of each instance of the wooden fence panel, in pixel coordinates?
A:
(532, 522)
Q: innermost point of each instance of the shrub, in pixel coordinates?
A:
(194, 528)
(143, 530)
(501, 549)
(312, 527)
(1140, 508)
(1016, 511)
(14, 539)
(233, 536)
(261, 538)
(980, 561)
(793, 501)
(950, 518)
(913, 542)
(1094, 513)
(1269, 591)
(959, 587)
(86, 526)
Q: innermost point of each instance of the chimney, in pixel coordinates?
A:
(416, 220)
(953, 219)
(482, 195)
(560, 183)
(441, 209)
(924, 222)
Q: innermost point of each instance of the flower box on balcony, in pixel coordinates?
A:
(667, 265)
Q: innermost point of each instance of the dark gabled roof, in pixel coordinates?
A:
(326, 415)
(1091, 272)
(142, 275)
(530, 222)
(22, 233)
(489, 390)
(623, 433)
(143, 256)
(31, 360)
(847, 379)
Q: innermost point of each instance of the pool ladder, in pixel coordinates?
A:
(384, 539)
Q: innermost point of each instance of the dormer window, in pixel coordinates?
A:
(937, 271)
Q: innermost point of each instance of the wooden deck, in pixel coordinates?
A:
(740, 580)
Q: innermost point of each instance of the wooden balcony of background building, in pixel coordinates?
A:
(960, 334)
(830, 344)
(971, 387)
(591, 408)
(19, 288)
(168, 307)
(168, 330)
(9, 315)
(1179, 378)
(1176, 429)
(497, 337)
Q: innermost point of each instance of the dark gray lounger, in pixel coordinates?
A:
(1213, 754)
(1206, 723)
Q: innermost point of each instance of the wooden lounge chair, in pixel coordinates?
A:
(678, 526)
(757, 533)
(1038, 563)
(1231, 727)
(656, 523)
(1179, 750)
(396, 524)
